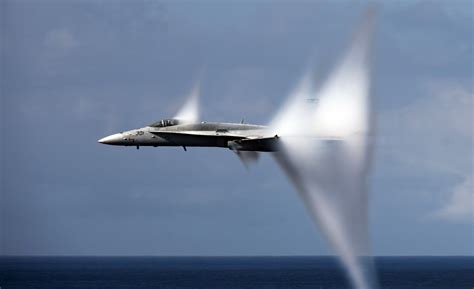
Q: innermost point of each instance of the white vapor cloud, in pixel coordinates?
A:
(190, 110)
(326, 152)
(433, 136)
(460, 206)
(60, 39)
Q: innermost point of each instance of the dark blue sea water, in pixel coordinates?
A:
(227, 272)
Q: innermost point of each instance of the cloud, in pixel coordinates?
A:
(60, 39)
(460, 206)
(433, 137)
(58, 47)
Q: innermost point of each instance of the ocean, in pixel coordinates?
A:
(228, 272)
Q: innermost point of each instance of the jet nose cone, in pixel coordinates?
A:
(111, 139)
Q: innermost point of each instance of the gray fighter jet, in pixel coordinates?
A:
(184, 130)
(175, 132)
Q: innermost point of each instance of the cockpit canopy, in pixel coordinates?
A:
(165, 122)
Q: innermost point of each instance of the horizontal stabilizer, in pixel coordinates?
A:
(270, 144)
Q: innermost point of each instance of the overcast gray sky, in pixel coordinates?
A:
(75, 71)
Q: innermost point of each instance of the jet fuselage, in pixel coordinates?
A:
(205, 134)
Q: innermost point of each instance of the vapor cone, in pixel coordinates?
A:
(189, 113)
(326, 148)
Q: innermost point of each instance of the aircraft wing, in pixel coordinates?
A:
(196, 134)
(235, 142)
(258, 144)
(196, 138)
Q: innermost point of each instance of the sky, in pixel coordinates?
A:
(75, 71)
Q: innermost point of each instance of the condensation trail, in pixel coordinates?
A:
(327, 138)
(189, 113)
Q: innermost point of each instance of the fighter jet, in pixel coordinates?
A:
(176, 132)
(184, 130)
